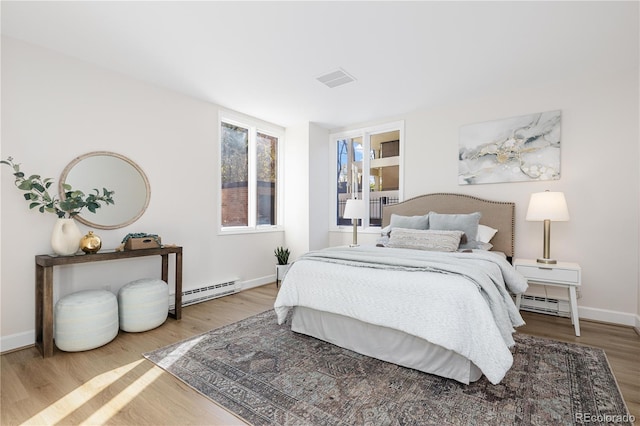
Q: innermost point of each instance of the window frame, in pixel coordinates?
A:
(254, 127)
(365, 133)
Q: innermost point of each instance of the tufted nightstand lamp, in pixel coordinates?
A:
(547, 206)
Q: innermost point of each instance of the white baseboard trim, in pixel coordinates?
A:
(605, 315)
(257, 282)
(17, 341)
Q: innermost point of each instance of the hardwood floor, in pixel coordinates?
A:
(115, 385)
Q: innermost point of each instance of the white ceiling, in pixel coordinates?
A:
(262, 58)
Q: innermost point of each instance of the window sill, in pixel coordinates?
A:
(240, 230)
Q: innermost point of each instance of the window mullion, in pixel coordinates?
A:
(366, 168)
(252, 190)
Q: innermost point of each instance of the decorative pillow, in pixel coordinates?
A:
(485, 233)
(425, 239)
(467, 223)
(409, 222)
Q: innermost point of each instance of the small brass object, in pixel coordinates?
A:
(90, 243)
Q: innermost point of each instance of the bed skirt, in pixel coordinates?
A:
(384, 343)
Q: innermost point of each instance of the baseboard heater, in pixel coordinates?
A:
(202, 294)
(545, 305)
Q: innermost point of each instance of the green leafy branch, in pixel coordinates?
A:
(37, 194)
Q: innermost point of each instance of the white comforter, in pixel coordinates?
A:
(456, 300)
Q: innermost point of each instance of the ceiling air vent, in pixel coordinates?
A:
(335, 78)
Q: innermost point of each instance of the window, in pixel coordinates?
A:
(249, 165)
(368, 167)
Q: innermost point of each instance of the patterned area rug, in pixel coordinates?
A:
(269, 375)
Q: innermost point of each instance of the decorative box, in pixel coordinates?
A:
(142, 243)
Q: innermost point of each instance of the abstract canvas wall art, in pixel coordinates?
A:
(516, 149)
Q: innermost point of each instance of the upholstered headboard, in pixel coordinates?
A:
(496, 214)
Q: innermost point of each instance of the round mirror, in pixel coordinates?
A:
(117, 173)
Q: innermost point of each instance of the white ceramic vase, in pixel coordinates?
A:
(65, 238)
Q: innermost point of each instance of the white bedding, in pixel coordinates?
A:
(456, 300)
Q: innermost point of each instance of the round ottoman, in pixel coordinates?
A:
(143, 304)
(85, 320)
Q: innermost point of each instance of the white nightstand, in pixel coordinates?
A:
(561, 274)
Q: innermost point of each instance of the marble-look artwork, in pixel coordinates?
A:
(516, 149)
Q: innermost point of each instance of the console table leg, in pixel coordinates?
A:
(39, 306)
(165, 268)
(44, 310)
(178, 295)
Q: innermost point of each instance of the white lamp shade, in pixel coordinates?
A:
(355, 209)
(548, 206)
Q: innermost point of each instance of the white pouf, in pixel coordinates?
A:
(85, 320)
(143, 304)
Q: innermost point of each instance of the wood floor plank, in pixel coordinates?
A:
(115, 385)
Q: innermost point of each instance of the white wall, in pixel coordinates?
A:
(306, 189)
(55, 108)
(296, 190)
(318, 187)
(599, 176)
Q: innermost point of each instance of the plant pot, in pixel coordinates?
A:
(281, 271)
(65, 238)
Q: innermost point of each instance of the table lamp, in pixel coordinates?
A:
(547, 206)
(354, 210)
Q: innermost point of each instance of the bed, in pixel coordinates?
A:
(448, 313)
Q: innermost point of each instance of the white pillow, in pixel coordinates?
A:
(425, 239)
(485, 233)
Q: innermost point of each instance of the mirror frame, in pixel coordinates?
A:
(65, 173)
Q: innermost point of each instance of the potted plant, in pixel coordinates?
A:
(65, 239)
(282, 255)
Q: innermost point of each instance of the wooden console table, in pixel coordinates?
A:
(44, 285)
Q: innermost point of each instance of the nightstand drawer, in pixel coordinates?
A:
(549, 274)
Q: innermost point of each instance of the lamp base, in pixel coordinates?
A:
(546, 261)
(355, 233)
